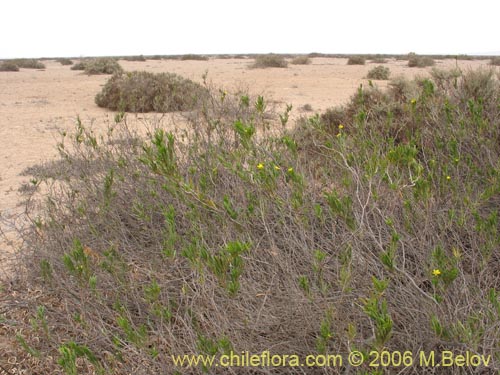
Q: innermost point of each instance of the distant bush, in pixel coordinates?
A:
(379, 72)
(495, 61)
(379, 60)
(356, 60)
(102, 65)
(464, 57)
(416, 61)
(149, 92)
(269, 61)
(65, 61)
(307, 107)
(8, 66)
(194, 57)
(135, 58)
(301, 60)
(79, 66)
(28, 63)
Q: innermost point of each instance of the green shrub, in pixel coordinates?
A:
(28, 63)
(374, 226)
(79, 65)
(495, 61)
(102, 65)
(135, 58)
(65, 61)
(379, 72)
(301, 60)
(8, 66)
(379, 60)
(148, 92)
(269, 61)
(416, 61)
(356, 60)
(194, 57)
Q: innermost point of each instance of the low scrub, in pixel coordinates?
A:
(495, 61)
(28, 63)
(269, 61)
(79, 65)
(356, 60)
(416, 61)
(301, 60)
(140, 58)
(194, 57)
(149, 92)
(65, 61)
(379, 72)
(375, 228)
(379, 60)
(102, 65)
(8, 66)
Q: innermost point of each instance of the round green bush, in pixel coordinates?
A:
(8, 66)
(379, 72)
(149, 92)
(270, 61)
(103, 65)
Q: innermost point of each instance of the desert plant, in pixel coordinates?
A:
(495, 61)
(8, 66)
(79, 65)
(28, 63)
(301, 60)
(380, 225)
(135, 58)
(378, 60)
(146, 92)
(379, 72)
(65, 61)
(102, 65)
(416, 61)
(356, 60)
(194, 57)
(269, 61)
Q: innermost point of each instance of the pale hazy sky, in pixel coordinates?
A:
(50, 28)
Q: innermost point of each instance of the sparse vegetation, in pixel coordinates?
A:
(148, 92)
(307, 107)
(194, 57)
(28, 63)
(356, 60)
(135, 58)
(416, 61)
(79, 65)
(269, 61)
(102, 65)
(65, 61)
(495, 61)
(373, 226)
(8, 66)
(378, 60)
(379, 72)
(301, 60)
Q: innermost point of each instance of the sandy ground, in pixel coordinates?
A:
(36, 104)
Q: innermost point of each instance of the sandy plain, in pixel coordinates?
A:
(36, 105)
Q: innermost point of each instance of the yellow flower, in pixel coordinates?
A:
(260, 166)
(339, 134)
(277, 167)
(436, 272)
(290, 170)
(413, 101)
(448, 178)
(341, 126)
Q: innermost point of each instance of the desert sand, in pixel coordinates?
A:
(35, 105)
